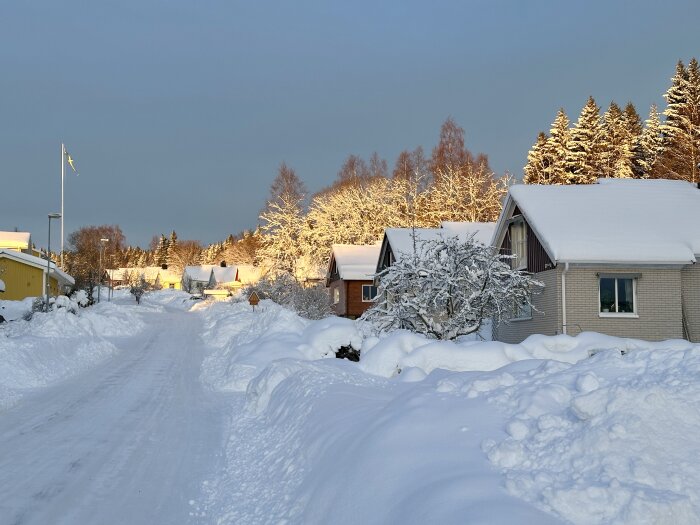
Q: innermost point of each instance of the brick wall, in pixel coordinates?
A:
(658, 304)
(690, 282)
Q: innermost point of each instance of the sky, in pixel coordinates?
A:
(178, 113)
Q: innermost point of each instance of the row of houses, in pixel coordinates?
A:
(618, 257)
(193, 279)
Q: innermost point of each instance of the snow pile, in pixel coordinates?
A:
(244, 341)
(59, 344)
(613, 439)
(401, 351)
(12, 310)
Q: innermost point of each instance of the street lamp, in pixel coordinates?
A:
(99, 279)
(48, 261)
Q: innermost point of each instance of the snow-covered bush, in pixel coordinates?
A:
(449, 288)
(283, 289)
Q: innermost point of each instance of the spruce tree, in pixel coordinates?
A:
(557, 148)
(648, 145)
(681, 128)
(538, 162)
(584, 146)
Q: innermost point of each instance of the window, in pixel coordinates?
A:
(172, 286)
(518, 242)
(522, 310)
(618, 295)
(369, 292)
(336, 295)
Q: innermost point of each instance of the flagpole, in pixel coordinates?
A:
(63, 173)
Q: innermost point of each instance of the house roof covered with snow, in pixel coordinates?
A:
(356, 263)
(225, 274)
(247, 273)
(482, 231)
(40, 263)
(614, 221)
(199, 273)
(401, 239)
(15, 240)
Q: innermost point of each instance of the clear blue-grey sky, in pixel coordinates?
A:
(178, 113)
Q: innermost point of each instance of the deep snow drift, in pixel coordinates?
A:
(429, 432)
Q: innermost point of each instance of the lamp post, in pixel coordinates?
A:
(99, 279)
(48, 261)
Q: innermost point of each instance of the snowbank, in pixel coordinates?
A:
(401, 351)
(586, 429)
(244, 341)
(56, 345)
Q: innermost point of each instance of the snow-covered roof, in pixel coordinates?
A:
(247, 273)
(15, 240)
(614, 221)
(37, 262)
(356, 263)
(199, 273)
(482, 231)
(225, 274)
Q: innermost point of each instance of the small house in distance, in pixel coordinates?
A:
(618, 257)
(350, 278)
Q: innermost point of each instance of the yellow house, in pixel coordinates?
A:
(24, 276)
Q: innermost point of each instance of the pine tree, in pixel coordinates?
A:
(681, 128)
(161, 255)
(557, 148)
(537, 169)
(617, 143)
(648, 145)
(584, 146)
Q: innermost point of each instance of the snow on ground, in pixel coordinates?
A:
(245, 341)
(56, 345)
(466, 432)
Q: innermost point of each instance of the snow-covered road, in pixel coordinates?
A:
(130, 441)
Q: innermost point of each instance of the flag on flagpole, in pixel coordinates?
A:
(70, 160)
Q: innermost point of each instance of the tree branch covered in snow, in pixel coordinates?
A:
(448, 288)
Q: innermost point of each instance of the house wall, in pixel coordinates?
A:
(355, 306)
(690, 285)
(546, 320)
(22, 280)
(658, 304)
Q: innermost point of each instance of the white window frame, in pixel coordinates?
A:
(336, 295)
(629, 315)
(363, 293)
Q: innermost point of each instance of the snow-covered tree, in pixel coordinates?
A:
(283, 221)
(617, 144)
(648, 145)
(681, 129)
(449, 288)
(538, 162)
(584, 146)
(557, 144)
(470, 194)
